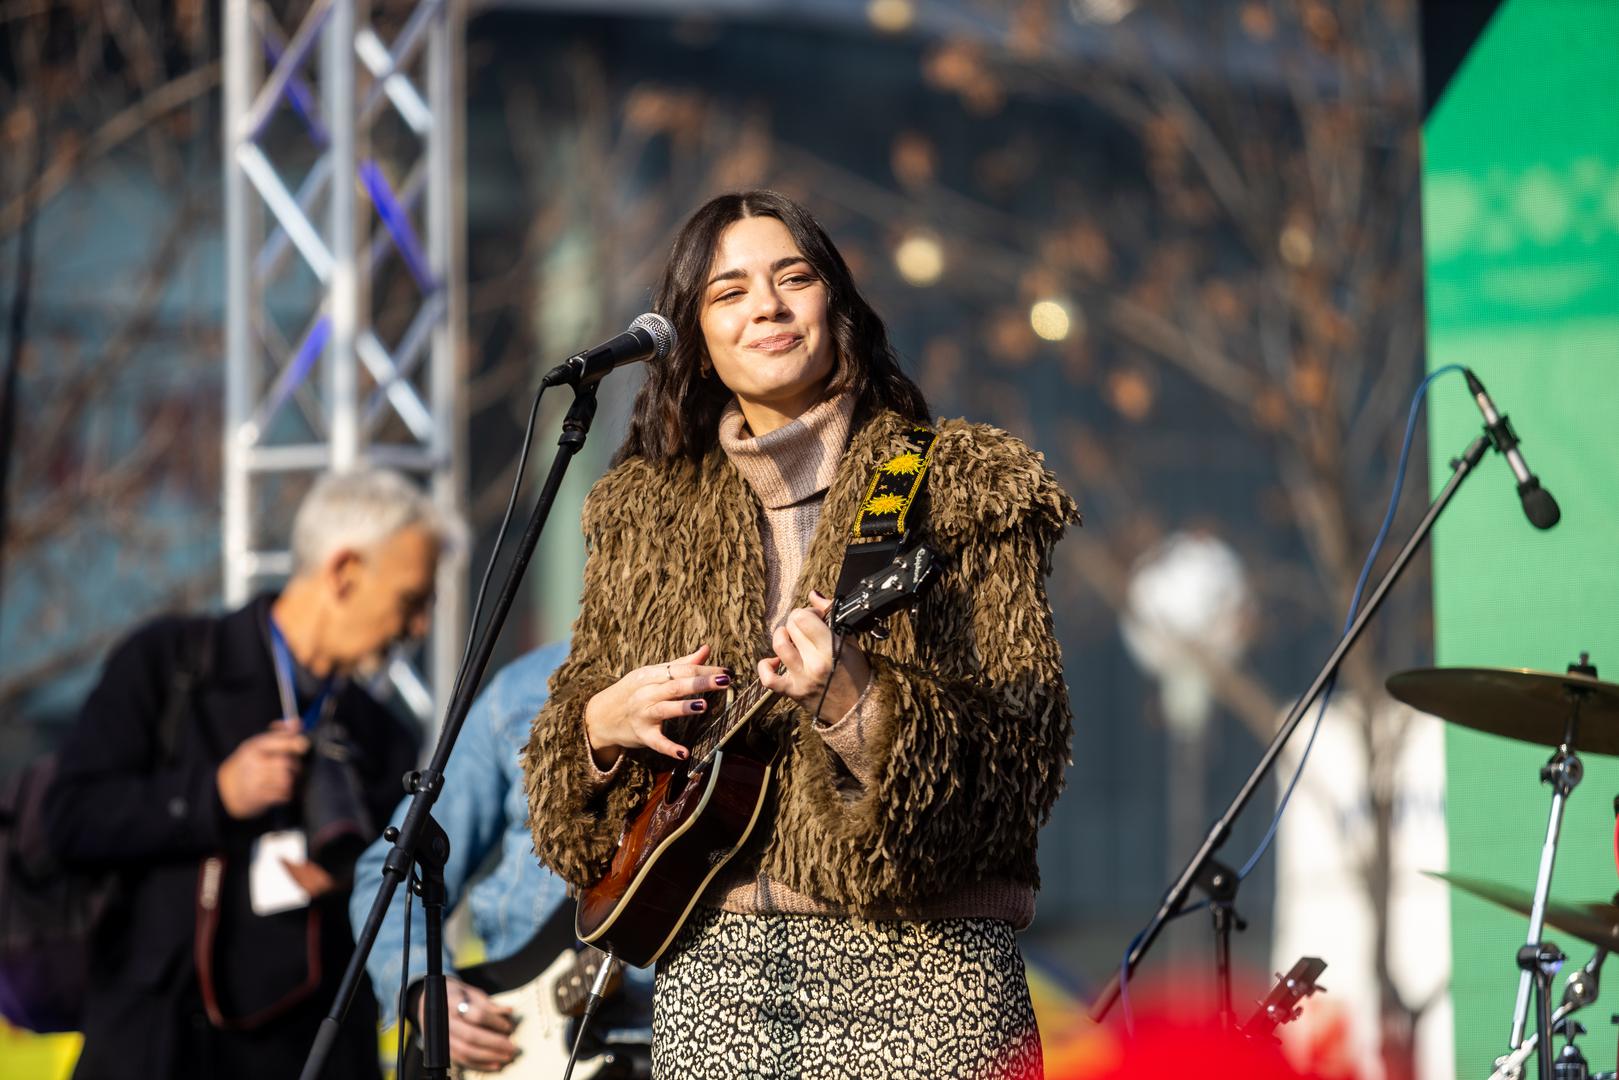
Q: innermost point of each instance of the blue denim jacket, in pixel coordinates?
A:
(484, 810)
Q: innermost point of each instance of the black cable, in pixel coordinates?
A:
(837, 654)
(500, 540)
(578, 1041)
(593, 1002)
(460, 678)
(404, 987)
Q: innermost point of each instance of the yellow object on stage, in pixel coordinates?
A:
(26, 1056)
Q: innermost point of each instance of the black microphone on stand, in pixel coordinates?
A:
(650, 336)
(1538, 504)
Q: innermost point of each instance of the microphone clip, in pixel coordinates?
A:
(1502, 437)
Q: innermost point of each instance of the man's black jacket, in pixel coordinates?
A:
(117, 803)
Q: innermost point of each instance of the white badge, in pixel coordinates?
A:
(271, 888)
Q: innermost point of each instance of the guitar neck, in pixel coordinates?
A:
(744, 705)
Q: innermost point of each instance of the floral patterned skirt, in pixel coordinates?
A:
(813, 997)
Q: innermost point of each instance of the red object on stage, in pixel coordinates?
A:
(1164, 1047)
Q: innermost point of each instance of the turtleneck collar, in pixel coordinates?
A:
(796, 461)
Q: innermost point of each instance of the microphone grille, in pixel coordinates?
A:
(1538, 504)
(663, 333)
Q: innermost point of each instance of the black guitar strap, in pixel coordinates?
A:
(524, 965)
(889, 516)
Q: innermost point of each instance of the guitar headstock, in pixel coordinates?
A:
(897, 585)
(1281, 1005)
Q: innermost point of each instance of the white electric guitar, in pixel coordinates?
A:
(544, 1006)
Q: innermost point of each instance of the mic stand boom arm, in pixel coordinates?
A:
(1176, 897)
(425, 785)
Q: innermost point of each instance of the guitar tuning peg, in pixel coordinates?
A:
(879, 631)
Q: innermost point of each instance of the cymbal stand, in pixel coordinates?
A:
(1580, 991)
(1563, 771)
(1540, 964)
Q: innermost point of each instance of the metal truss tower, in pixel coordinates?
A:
(344, 277)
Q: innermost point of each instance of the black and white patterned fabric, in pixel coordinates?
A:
(823, 998)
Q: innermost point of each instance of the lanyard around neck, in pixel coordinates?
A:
(281, 656)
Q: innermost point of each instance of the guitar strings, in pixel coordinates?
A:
(718, 727)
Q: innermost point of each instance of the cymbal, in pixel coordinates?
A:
(1595, 923)
(1530, 706)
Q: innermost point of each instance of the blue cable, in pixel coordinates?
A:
(1326, 694)
(1354, 608)
(1124, 967)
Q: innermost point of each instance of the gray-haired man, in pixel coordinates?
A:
(234, 820)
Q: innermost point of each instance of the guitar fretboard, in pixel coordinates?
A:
(852, 615)
(744, 705)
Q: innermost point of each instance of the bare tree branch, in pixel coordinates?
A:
(116, 131)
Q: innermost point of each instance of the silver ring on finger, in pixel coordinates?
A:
(463, 1007)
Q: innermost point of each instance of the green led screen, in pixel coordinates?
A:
(1521, 237)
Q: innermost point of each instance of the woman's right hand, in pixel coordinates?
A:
(631, 712)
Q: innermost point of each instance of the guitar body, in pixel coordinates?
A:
(691, 826)
(542, 1031)
(545, 987)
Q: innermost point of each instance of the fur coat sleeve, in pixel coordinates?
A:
(575, 812)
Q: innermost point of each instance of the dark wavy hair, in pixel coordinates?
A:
(677, 412)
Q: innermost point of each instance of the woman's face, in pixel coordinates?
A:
(764, 322)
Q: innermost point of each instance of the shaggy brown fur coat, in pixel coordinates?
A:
(974, 728)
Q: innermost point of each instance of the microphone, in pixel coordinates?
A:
(1538, 504)
(650, 336)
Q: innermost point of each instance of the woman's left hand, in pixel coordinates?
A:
(804, 647)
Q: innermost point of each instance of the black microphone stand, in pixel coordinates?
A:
(1203, 871)
(419, 839)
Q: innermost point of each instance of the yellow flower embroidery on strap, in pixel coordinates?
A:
(885, 504)
(904, 465)
(893, 485)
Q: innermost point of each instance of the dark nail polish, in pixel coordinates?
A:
(682, 754)
(698, 706)
(722, 680)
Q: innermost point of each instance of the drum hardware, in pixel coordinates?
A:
(1543, 708)
(1594, 923)
(1570, 1064)
(1580, 991)
(1540, 963)
(1518, 703)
